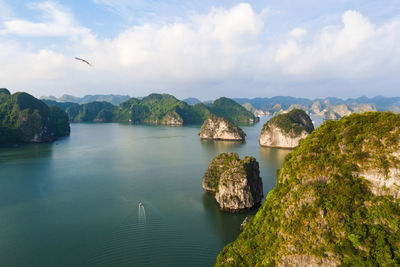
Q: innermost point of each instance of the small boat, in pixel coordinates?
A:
(140, 204)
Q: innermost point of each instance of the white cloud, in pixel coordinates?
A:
(218, 53)
(297, 32)
(355, 50)
(4, 10)
(204, 47)
(57, 22)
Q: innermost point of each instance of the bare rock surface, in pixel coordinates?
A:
(219, 128)
(236, 183)
(286, 130)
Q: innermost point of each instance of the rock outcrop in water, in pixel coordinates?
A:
(218, 128)
(25, 119)
(336, 201)
(286, 130)
(236, 183)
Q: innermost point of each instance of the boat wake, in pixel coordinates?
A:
(141, 215)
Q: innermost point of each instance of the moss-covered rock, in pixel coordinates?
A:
(91, 112)
(4, 91)
(248, 220)
(326, 209)
(23, 118)
(236, 183)
(218, 128)
(233, 111)
(286, 130)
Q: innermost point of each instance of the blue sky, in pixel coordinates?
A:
(205, 49)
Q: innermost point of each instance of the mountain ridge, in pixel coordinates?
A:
(155, 109)
(328, 108)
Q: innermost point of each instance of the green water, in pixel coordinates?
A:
(75, 202)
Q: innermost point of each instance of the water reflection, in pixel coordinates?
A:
(273, 155)
(271, 160)
(226, 225)
(220, 145)
(25, 152)
(24, 173)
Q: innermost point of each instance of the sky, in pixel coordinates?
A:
(204, 49)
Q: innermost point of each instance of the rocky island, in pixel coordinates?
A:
(218, 128)
(336, 201)
(286, 130)
(230, 109)
(235, 182)
(26, 119)
(159, 109)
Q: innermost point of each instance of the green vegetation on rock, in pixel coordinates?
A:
(158, 109)
(23, 118)
(293, 122)
(217, 166)
(113, 99)
(61, 105)
(59, 121)
(218, 128)
(323, 209)
(231, 110)
(154, 109)
(4, 91)
(235, 182)
(92, 112)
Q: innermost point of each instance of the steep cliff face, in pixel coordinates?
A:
(286, 130)
(336, 201)
(316, 108)
(383, 182)
(277, 137)
(172, 119)
(218, 128)
(331, 115)
(342, 110)
(23, 118)
(236, 183)
(360, 108)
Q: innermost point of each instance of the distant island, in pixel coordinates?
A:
(113, 99)
(191, 101)
(336, 202)
(329, 108)
(160, 109)
(219, 128)
(26, 119)
(286, 130)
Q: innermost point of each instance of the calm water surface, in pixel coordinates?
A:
(75, 202)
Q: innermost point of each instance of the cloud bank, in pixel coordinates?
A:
(225, 51)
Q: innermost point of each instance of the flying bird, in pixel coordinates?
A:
(83, 60)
